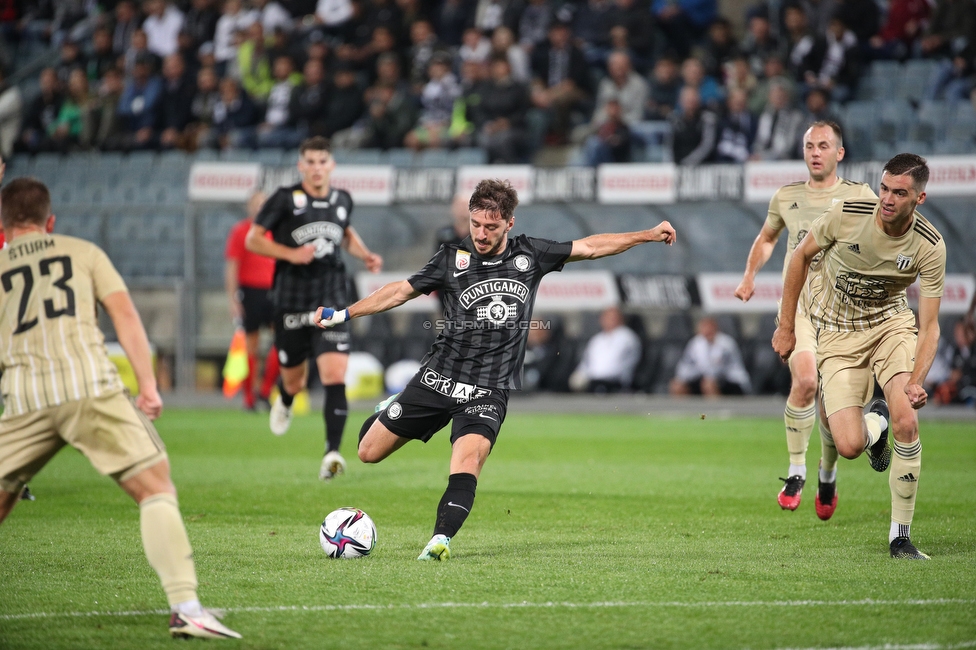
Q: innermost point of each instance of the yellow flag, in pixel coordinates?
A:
(235, 368)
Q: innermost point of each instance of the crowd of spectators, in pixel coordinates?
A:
(505, 75)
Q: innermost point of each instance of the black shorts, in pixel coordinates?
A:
(431, 400)
(258, 309)
(298, 340)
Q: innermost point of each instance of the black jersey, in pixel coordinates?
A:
(294, 219)
(487, 307)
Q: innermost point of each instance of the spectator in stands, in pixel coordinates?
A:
(102, 57)
(621, 85)
(309, 101)
(760, 43)
(65, 130)
(503, 42)
(280, 128)
(489, 15)
(818, 109)
(501, 115)
(561, 80)
(863, 17)
(960, 386)
(665, 84)
(437, 101)
(452, 19)
(200, 21)
(711, 365)
(834, 63)
(718, 48)
(253, 64)
(613, 139)
(103, 128)
(635, 18)
(780, 124)
(233, 20)
(548, 359)
(738, 75)
(139, 104)
(774, 72)
(175, 104)
(364, 58)
(272, 16)
(693, 75)
(126, 23)
(71, 58)
(333, 15)
(683, 21)
(694, 129)
(460, 223)
(591, 29)
(162, 26)
(798, 41)
(139, 49)
(736, 129)
(954, 79)
(951, 28)
(818, 13)
(534, 23)
(42, 113)
(205, 98)
(11, 105)
(234, 117)
(474, 47)
(345, 100)
(899, 35)
(392, 110)
(424, 45)
(610, 356)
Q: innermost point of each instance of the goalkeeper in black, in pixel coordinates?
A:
(489, 283)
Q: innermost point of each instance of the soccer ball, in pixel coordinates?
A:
(347, 533)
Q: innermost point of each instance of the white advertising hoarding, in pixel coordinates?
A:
(522, 178)
(645, 183)
(219, 181)
(762, 179)
(368, 184)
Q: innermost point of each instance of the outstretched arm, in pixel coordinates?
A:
(597, 246)
(784, 338)
(759, 254)
(385, 298)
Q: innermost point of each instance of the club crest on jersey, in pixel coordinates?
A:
(300, 199)
(462, 260)
(521, 262)
(902, 262)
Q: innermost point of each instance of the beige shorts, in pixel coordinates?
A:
(115, 436)
(848, 362)
(806, 335)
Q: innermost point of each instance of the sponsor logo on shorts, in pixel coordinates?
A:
(394, 411)
(446, 386)
(299, 320)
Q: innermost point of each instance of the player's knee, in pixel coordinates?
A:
(368, 453)
(805, 387)
(904, 427)
(293, 386)
(848, 449)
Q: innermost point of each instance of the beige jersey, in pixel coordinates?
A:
(862, 279)
(796, 206)
(51, 349)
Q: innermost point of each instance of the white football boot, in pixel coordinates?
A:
(333, 464)
(204, 626)
(280, 418)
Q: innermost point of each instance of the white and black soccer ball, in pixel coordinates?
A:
(347, 533)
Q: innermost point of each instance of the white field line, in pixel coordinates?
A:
(867, 602)
(914, 646)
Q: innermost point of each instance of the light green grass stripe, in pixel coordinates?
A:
(867, 602)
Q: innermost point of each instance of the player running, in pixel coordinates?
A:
(489, 282)
(60, 387)
(794, 207)
(873, 250)
(309, 223)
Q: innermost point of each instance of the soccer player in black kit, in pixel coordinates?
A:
(490, 283)
(309, 223)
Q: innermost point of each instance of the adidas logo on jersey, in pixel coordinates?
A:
(908, 478)
(854, 248)
(794, 206)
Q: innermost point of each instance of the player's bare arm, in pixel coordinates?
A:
(353, 243)
(383, 299)
(925, 349)
(784, 338)
(256, 242)
(759, 254)
(133, 339)
(604, 245)
(230, 285)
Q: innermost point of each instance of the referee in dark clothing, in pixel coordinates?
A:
(489, 283)
(310, 225)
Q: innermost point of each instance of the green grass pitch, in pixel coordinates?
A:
(588, 532)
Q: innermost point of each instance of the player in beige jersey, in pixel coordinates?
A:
(60, 388)
(873, 250)
(794, 207)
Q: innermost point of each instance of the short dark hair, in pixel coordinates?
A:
(494, 196)
(24, 202)
(909, 164)
(834, 126)
(315, 143)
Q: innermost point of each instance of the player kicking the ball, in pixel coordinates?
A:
(873, 250)
(61, 388)
(489, 283)
(794, 207)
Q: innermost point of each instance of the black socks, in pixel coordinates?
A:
(456, 504)
(336, 409)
